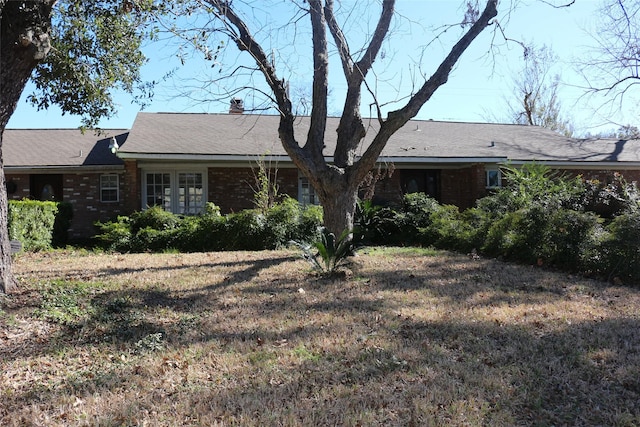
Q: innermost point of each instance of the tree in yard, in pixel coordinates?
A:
(612, 68)
(535, 89)
(76, 52)
(336, 183)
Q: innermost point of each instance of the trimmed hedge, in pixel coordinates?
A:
(35, 223)
(155, 230)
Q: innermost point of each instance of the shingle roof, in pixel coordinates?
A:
(174, 134)
(220, 136)
(60, 148)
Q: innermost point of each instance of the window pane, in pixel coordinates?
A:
(159, 190)
(306, 192)
(190, 193)
(493, 178)
(109, 188)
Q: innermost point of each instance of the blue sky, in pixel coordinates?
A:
(476, 90)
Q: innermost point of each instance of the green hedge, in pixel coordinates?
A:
(155, 230)
(38, 225)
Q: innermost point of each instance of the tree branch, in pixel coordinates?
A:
(315, 138)
(351, 129)
(398, 118)
(240, 34)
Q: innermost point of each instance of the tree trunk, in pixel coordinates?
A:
(8, 282)
(24, 40)
(339, 205)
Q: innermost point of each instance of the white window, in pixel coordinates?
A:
(306, 193)
(494, 178)
(109, 188)
(180, 192)
(190, 193)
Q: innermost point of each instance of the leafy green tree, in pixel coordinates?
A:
(77, 53)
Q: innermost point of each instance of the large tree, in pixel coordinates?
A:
(535, 99)
(77, 53)
(318, 24)
(612, 68)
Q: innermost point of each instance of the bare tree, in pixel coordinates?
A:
(612, 68)
(535, 101)
(335, 183)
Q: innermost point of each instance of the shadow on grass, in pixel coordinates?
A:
(340, 355)
(428, 373)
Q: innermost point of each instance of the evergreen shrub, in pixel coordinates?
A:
(32, 223)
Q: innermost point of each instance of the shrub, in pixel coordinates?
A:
(375, 224)
(61, 224)
(611, 199)
(516, 235)
(453, 230)
(417, 209)
(282, 223)
(32, 223)
(621, 248)
(115, 235)
(568, 239)
(309, 227)
(154, 218)
(149, 239)
(534, 183)
(244, 230)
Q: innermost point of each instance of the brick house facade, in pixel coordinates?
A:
(182, 161)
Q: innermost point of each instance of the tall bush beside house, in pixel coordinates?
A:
(309, 228)
(620, 250)
(201, 232)
(454, 230)
(282, 222)
(61, 224)
(416, 215)
(516, 235)
(32, 223)
(569, 239)
(115, 235)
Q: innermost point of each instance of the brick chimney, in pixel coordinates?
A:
(237, 106)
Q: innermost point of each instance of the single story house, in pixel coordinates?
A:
(181, 161)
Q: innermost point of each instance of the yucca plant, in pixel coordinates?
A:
(328, 253)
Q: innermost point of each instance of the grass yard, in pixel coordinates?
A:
(403, 337)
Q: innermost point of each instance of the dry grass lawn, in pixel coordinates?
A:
(402, 338)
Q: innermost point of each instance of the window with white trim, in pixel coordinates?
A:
(109, 189)
(306, 193)
(190, 193)
(177, 191)
(494, 178)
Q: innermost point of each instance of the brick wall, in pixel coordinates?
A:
(132, 189)
(606, 176)
(231, 188)
(462, 187)
(83, 192)
(23, 187)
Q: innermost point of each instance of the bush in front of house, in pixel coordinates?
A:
(377, 225)
(569, 238)
(61, 225)
(156, 230)
(619, 251)
(32, 223)
(453, 230)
